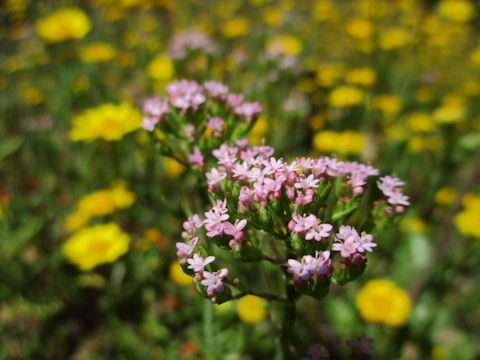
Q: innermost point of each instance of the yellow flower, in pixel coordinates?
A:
(288, 45)
(329, 74)
(272, 16)
(347, 142)
(382, 301)
(97, 52)
(178, 276)
(250, 309)
(388, 104)
(161, 68)
(395, 38)
(76, 221)
(98, 203)
(122, 198)
(452, 110)
(323, 10)
(445, 196)
(258, 131)
(95, 245)
(475, 56)
(456, 10)
(361, 76)
(31, 95)
(360, 29)
(64, 24)
(414, 224)
(466, 221)
(173, 168)
(345, 96)
(109, 122)
(235, 27)
(420, 122)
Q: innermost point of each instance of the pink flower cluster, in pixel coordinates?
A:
(310, 227)
(349, 242)
(191, 41)
(264, 178)
(390, 188)
(185, 250)
(309, 266)
(187, 95)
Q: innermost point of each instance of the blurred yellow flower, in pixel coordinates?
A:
(31, 95)
(161, 68)
(178, 276)
(456, 10)
(235, 27)
(452, 110)
(360, 29)
(272, 16)
(64, 24)
(329, 74)
(419, 143)
(345, 96)
(258, 131)
(467, 221)
(97, 52)
(173, 168)
(346, 143)
(475, 56)
(445, 196)
(414, 224)
(76, 221)
(100, 203)
(96, 245)
(383, 302)
(288, 45)
(323, 10)
(395, 38)
(420, 122)
(388, 104)
(251, 309)
(109, 122)
(361, 76)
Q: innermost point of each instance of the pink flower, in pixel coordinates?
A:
(249, 110)
(155, 107)
(216, 89)
(320, 264)
(196, 158)
(318, 231)
(197, 263)
(148, 123)
(185, 250)
(306, 183)
(234, 100)
(366, 243)
(300, 224)
(191, 226)
(216, 125)
(213, 281)
(214, 177)
(214, 219)
(236, 229)
(298, 270)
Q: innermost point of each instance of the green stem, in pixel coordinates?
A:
(288, 323)
(208, 329)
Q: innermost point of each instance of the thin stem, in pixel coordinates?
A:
(273, 260)
(288, 323)
(208, 329)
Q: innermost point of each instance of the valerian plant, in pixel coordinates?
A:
(313, 219)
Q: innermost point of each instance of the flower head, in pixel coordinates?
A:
(108, 122)
(95, 245)
(64, 24)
